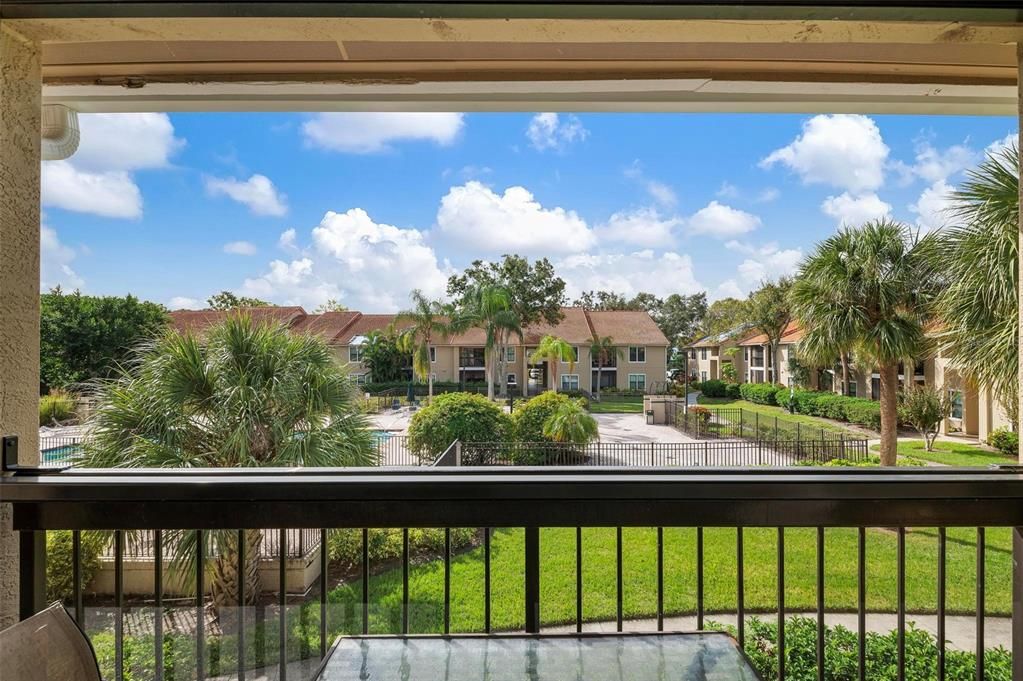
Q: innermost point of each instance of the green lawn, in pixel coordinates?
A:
(617, 406)
(639, 549)
(784, 417)
(952, 453)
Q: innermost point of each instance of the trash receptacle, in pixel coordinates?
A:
(650, 417)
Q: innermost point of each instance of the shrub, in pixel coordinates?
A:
(529, 419)
(842, 650)
(56, 407)
(863, 412)
(1005, 441)
(924, 408)
(571, 423)
(344, 546)
(60, 561)
(700, 413)
(782, 395)
(713, 388)
(732, 391)
(466, 417)
(759, 393)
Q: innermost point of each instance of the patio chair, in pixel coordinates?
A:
(49, 646)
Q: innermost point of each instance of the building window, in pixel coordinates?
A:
(637, 381)
(360, 379)
(692, 354)
(637, 353)
(569, 381)
(511, 379)
(575, 356)
(703, 376)
(850, 389)
(703, 353)
(509, 354)
(354, 353)
(433, 354)
(875, 388)
(956, 396)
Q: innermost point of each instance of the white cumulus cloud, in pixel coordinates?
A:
(721, 221)
(55, 262)
(629, 273)
(932, 208)
(368, 133)
(473, 217)
(852, 211)
(553, 131)
(641, 227)
(258, 193)
(841, 150)
(99, 178)
(370, 265)
(240, 248)
(762, 263)
(185, 303)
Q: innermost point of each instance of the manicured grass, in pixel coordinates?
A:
(782, 414)
(952, 453)
(617, 406)
(557, 547)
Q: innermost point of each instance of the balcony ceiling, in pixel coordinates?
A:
(673, 57)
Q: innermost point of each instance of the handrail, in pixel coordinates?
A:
(523, 497)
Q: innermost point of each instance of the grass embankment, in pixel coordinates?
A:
(783, 416)
(951, 453)
(557, 546)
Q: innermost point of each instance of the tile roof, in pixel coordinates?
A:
(199, 320)
(632, 326)
(329, 325)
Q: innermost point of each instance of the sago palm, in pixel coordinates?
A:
(603, 350)
(870, 288)
(978, 309)
(571, 423)
(425, 322)
(241, 395)
(554, 350)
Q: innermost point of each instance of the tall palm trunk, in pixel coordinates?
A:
(488, 360)
(889, 413)
(600, 374)
(225, 582)
(844, 388)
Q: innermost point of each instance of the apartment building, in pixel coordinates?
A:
(709, 355)
(639, 362)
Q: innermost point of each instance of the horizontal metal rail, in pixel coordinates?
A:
(518, 497)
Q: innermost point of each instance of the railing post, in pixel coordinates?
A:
(1017, 604)
(32, 578)
(458, 452)
(532, 574)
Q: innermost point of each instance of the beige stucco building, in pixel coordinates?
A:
(639, 363)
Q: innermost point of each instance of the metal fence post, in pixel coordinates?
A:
(458, 452)
(532, 574)
(1017, 604)
(32, 577)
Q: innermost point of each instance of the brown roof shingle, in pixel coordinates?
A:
(329, 325)
(635, 327)
(198, 321)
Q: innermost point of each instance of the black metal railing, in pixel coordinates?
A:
(944, 534)
(707, 453)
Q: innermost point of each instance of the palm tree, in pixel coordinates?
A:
(554, 350)
(427, 321)
(870, 289)
(603, 349)
(489, 308)
(572, 423)
(242, 395)
(768, 310)
(978, 309)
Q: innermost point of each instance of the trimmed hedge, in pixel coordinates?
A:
(759, 393)
(714, 388)
(733, 391)
(856, 410)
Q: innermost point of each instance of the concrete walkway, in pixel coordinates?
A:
(959, 630)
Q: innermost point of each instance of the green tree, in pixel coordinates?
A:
(571, 423)
(769, 311)
(225, 300)
(425, 322)
(603, 350)
(978, 308)
(241, 395)
(679, 317)
(870, 288)
(466, 417)
(924, 408)
(331, 305)
(554, 350)
(489, 308)
(85, 337)
(722, 316)
(534, 291)
(381, 355)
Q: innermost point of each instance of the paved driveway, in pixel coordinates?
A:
(634, 428)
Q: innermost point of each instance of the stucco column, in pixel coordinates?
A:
(20, 105)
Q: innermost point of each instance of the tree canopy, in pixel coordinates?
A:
(535, 292)
(226, 300)
(85, 337)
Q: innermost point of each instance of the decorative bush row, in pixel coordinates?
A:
(344, 546)
(857, 410)
(759, 393)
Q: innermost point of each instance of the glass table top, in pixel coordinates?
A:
(704, 656)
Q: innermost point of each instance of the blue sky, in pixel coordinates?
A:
(298, 208)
